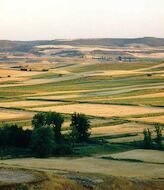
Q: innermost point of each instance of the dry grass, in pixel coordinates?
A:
(145, 55)
(22, 104)
(58, 97)
(155, 119)
(7, 115)
(12, 72)
(115, 73)
(58, 183)
(118, 129)
(126, 139)
(91, 165)
(154, 156)
(101, 182)
(101, 110)
(153, 95)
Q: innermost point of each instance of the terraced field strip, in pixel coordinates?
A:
(101, 110)
(153, 95)
(57, 97)
(24, 104)
(150, 120)
(126, 139)
(119, 129)
(92, 165)
(113, 66)
(16, 73)
(7, 115)
(126, 91)
(153, 156)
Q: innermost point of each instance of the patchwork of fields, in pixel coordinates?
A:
(121, 99)
(127, 92)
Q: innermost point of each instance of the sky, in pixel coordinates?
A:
(69, 19)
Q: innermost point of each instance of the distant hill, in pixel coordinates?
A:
(119, 42)
(26, 46)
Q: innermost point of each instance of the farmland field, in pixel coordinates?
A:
(121, 99)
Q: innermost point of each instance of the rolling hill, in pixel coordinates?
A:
(24, 46)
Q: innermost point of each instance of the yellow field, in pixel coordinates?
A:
(6, 115)
(152, 55)
(101, 110)
(57, 97)
(23, 104)
(16, 73)
(118, 129)
(155, 119)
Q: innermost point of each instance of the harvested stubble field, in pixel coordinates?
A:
(101, 110)
(12, 115)
(119, 129)
(23, 104)
(155, 119)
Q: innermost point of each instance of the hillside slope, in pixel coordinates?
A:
(24, 46)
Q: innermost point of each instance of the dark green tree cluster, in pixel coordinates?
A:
(149, 142)
(14, 136)
(80, 126)
(53, 119)
(47, 137)
(43, 141)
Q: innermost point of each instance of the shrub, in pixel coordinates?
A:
(63, 149)
(22, 187)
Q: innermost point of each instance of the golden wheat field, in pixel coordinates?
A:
(155, 119)
(119, 129)
(23, 104)
(8, 115)
(101, 110)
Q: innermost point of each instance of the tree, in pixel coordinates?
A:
(158, 139)
(147, 142)
(80, 126)
(39, 120)
(52, 119)
(55, 120)
(14, 136)
(43, 141)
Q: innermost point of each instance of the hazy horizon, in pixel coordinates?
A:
(69, 39)
(77, 19)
